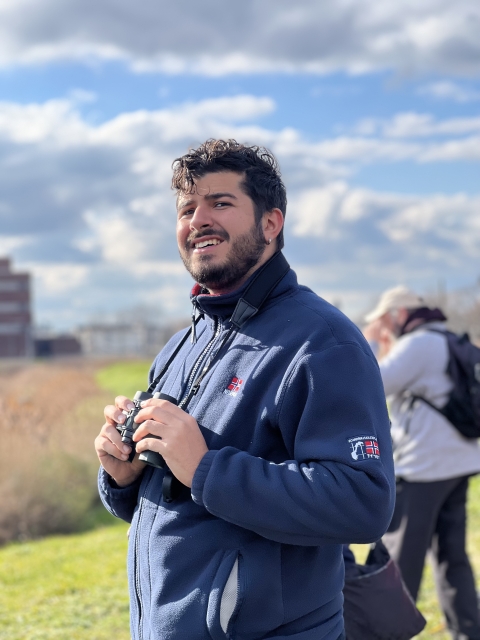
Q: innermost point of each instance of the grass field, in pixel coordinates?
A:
(124, 378)
(74, 587)
(66, 587)
(69, 587)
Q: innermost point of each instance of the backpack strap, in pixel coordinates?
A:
(461, 408)
(413, 397)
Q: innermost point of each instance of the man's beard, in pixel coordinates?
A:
(243, 255)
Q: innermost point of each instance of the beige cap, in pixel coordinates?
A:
(395, 298)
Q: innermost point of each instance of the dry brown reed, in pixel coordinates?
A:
(49, 416)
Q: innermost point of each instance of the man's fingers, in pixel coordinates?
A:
(165, 405)
(113, 415)
(124, 403)
(162, 411)
(147, 427)
(151, 444)
(113, 441)
(104, 447)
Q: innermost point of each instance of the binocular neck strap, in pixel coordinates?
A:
(261, 286)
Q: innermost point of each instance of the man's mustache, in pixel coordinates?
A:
(220, 233)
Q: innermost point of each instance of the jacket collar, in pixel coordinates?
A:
(224, 305)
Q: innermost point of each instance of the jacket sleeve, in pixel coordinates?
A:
(322, 494)
(120, 501)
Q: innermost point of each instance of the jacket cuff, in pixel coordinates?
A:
(108, 486)
(200, 476)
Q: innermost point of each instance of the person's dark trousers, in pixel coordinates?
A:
(432, 515)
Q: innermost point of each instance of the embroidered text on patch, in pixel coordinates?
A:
(364, 447)
(234, 387)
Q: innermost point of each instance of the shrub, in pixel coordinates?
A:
(49, 417)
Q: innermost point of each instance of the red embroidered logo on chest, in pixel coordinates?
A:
(234, 387)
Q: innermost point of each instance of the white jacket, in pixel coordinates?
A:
(426, 446)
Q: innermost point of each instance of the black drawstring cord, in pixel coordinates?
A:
(196, 384)
(263, 283)
(193, 332)
(153, 385)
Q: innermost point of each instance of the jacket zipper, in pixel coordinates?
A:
(205, 353)
(137, 573)
(201, 358)
(138, 591)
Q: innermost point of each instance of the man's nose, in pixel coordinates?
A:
(202, 217)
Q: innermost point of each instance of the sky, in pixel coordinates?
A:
(372, 109)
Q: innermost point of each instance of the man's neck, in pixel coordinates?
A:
(267, 254)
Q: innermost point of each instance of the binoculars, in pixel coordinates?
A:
(128, 428)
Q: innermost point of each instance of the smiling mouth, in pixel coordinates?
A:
(210, 242)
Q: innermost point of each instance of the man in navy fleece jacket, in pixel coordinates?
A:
(283, 453)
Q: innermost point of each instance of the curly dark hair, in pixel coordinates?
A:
(262, 179)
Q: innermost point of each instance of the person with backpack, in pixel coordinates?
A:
(426, 371)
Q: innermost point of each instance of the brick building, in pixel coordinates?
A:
(15, 314)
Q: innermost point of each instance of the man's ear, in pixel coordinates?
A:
(272, 224)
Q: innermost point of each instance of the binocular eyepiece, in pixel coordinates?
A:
(128, 428)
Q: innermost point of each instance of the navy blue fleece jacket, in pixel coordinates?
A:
(299, 462)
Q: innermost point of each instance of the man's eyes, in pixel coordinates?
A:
(191, 211)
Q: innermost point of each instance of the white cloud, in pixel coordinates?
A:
(365, 241)
(414, 125)
(213, 38)
(448, 90)
(59, 279)
(417, 125)
(34, 123)
(336, 211)
(88, 206)
(454, 150)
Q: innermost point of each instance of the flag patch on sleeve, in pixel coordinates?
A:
(364, 447)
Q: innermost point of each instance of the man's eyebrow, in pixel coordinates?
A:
(209, 196)
(221, 194)
(184, 203)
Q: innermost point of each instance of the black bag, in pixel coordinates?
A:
(462, 409)
(377, 604)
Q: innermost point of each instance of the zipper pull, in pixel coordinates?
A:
(193, 334)
(195, 389)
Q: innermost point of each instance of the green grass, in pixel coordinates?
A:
(74, 587)
(66, 587)
(124, 378)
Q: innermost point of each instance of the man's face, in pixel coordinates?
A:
(219, 241)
